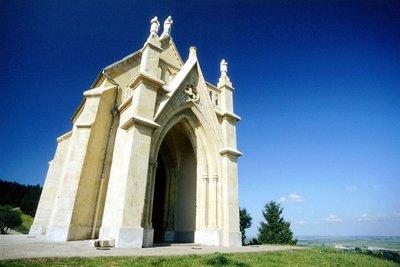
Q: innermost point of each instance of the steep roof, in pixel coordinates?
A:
(170, 55)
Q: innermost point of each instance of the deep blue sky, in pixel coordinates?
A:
(317, 84)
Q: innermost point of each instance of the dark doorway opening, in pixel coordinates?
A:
(174, 199)
(158, 202)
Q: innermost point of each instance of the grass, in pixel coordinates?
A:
(26, 223)
(307, 257)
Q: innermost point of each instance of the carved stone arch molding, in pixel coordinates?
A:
(203, 141)
(199, 128)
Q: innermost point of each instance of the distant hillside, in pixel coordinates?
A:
(388, 242)
(18, 195)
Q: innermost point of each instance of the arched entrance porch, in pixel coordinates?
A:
(184, 128)
(174, 199)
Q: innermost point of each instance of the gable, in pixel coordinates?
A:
(189, 91)
(170, 54)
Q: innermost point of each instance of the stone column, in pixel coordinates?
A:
(213, 200)
(206, 182)
(150, 192)
(169, 234)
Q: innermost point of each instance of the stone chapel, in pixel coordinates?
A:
(151, 156)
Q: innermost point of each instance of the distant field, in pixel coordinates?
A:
(388, 242)
(307, 257)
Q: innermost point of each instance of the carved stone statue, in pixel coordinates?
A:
(167, 25)
(223, 68)
(155, 25)
(192, 94)
(167, 28)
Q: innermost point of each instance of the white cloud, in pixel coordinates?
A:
(301, 222)
(351, 188)
(291, 198)
(332, 218)
(295, 198)
(365, 217)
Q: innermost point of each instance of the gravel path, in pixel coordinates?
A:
(23, 246)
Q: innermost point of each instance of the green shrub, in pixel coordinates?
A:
(218, 259)
(9, 218)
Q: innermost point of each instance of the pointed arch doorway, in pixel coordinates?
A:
(174, 200)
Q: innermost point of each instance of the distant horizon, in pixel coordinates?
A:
(349, 236)
(15, 181)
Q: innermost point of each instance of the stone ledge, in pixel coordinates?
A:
(125, 105)
(64, 137)
(145, 77)
(98, 91)
(143, 121)
(84, 124)
(230, 151)
(228, 115)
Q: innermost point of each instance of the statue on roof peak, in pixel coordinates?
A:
(167, 28)
(223, 68)
(155, 25)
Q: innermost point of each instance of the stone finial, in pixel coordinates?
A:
(223, 68)
(192, 52)
(155, 25)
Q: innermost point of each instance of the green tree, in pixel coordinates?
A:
(245, 222)
(9, 218)
(30, 201)
(275, 230)
(19, 195)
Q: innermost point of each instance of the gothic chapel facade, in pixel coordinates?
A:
(151, 156)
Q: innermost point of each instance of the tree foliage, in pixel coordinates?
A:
(275, 230)
(17, 195)
(9, 218)
(245, 222)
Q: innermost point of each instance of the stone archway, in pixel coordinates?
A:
(174, 198)
(187, 124)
